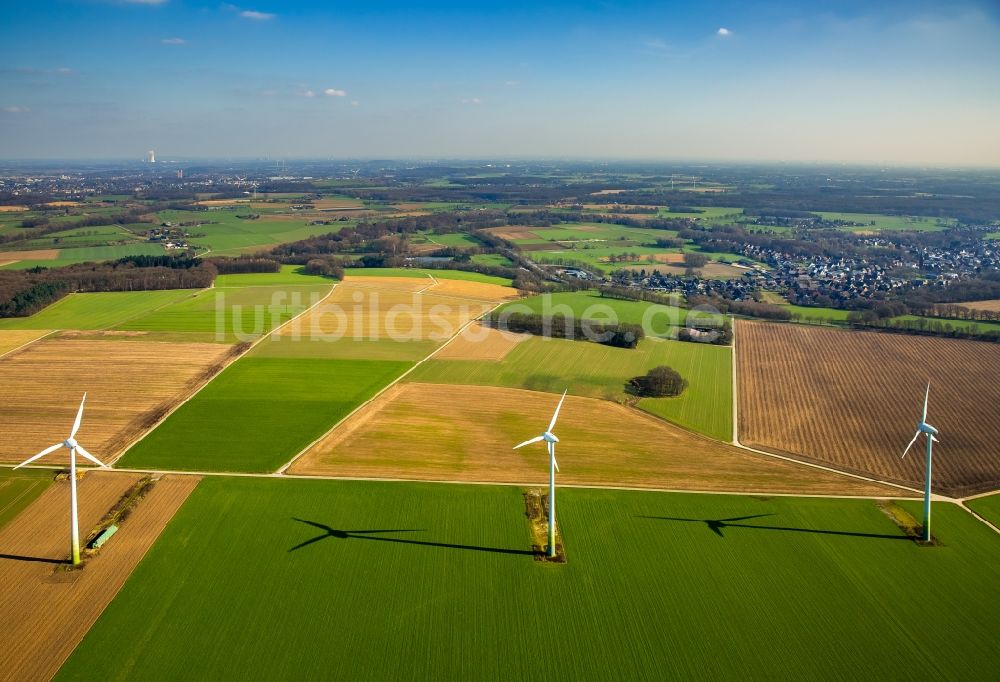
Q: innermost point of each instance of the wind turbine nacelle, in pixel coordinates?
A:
(549, 437)
(70, 442)
(927, 428)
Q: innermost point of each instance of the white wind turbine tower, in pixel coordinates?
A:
(550, 440)
(931, 433)
(73, 447)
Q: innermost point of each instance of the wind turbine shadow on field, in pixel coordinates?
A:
(34, 559)
(339, 534)
(716, 526)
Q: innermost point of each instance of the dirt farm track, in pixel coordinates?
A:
(852, 399)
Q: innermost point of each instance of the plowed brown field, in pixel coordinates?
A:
(129, 385)
(852, 399)
(47, 609)
(434, 432)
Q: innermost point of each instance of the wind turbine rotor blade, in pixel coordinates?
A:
(555, 415)
(927, 396)
(83, 451)
(915, 437)
(935, 439)
(41, 454)
(529, 442)
(79, 417)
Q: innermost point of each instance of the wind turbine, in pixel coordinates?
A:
(550, 441)
(73, 447)
(931, 433)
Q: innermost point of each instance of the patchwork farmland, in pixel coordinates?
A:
(422, 431)
(850, 399)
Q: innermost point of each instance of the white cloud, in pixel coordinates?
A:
(355, 103)
(655, 44)
(334, 92)
(255, 15)
(308, 93)
(174, 41)
(142, 2)
(16, 110)
(723, 31)
(472, 100)
(65, 71)
(512, 84)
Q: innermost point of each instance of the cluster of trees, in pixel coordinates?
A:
(659, 382)
(33, 228)
(25, 292)
(244, 264)
(767, 311)
(924, 327)
(563, 327)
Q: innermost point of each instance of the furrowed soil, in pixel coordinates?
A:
(47, 607)
(852, 399)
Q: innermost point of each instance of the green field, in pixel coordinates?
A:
(20, 488)
(99, 310)
(662, 319)
(90, 253)
(988, 506)
(259, 413)
(290, 274)
(595, 370)
(879, 222)
(419, 272)
(225, 234)
(461, 240)
(492, 259)
(274, 579)
(809, 314)
(239, 313)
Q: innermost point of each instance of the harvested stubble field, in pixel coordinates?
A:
(47, 608)
(480, 343)
(37, 254)
(129, 386)
(11, 339)
(852, 399)
(433, 432)
(276, 578)
(391, 310)
(989, 306)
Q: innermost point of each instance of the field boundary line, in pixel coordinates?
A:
(736, 414)
(978, 495)
(977, 515)
(229, 361)
(283, 469)
(25, 345)
(516, 484)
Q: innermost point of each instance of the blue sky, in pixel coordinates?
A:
(889, 82)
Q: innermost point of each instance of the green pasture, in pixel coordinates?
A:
(90, 254)
(238, 313)
(889, 223)
(20, 488)
(100, 310)
(988, 507)
(422, 272)
(598, 371)
(661, 319)
(289, 274)
(462, 240)
(492, 259)
(259, 412)
(225, 234)
(275, 579)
